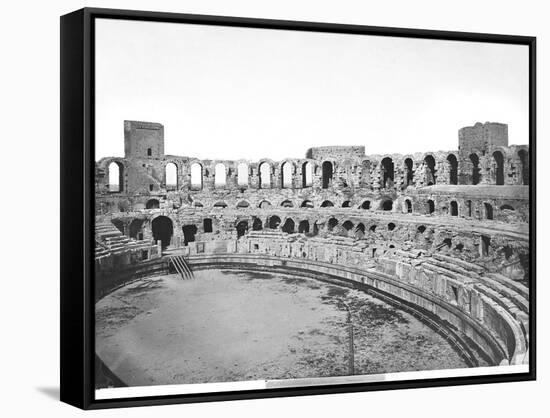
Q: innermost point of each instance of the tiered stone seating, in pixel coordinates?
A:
(109, 240)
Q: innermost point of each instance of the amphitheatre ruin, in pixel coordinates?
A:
(442, 236)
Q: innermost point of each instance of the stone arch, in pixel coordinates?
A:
(408, 206)
(303, 227)
(507, 207)
(327, 173)
(220, 204)
(287, 170)
(386, 204)
(359, 231)
(152, 204)
(327, 204)
(287, 204)
(264, 204)
(452, 162)
(242, 174)
(469, 208)
(391, 226)
(288, 226)
(488, 209)
(242, 228)
(243, 204)
(408, 166)
(365, 205)
(115, 175)
(220, 175)
(307, 174)
(264, 170)
(498, 160)
(476, 169)
(163, 229)
(197, 172)
(346, 204)
(347, 225)
(430, 206)
(429, 163)
(189, 233)
(332, 223)
(136, 229)
(307, 204)
(387, 173)
(274, 222)
(523, 156)
(171, 176)
(454, 208)
(257, 224)
(198, 204)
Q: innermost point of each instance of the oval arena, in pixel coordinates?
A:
(441, 236)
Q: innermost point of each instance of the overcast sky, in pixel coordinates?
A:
(229, 93)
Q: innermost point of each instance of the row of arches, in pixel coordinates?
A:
(386, 204)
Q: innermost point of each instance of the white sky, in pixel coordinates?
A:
(229, 93)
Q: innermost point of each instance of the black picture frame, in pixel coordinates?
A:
(77, 205)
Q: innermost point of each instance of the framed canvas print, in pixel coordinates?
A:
(258, 208)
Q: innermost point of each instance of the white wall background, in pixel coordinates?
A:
(29, 96)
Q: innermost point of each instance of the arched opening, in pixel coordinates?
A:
(264, 204)
(430, 206)
(429, 162)
(286, 175)
(198, 205)
(327, 174)
(359, 231)
(469, 207)
(265, 175)
(365, 173)
(307, 204)
(220, 175)
(163, 229)
(242, 174)
(391, 226)
(421, 229)
(454, 208)
(365, 205)
(274, 222)
(524, 159)
(327, 204)
(196, 176)
(387, 204)
(242, 228)
(488, 210)
(499, 168)
(189, 232)
(287, 204)
(152, 204)
(409, 171)
(303, 227)
(386, 173)
(507, 207)
(243, 204)
(332, 223)
(171, 176)
(346, 204)
(221, 204)
(307, 174)
(288, 226)
(485, 245)
(476, 170)
(136, 229)
(453, 168)
(257, 224)
(408, 206)
(447, 242)
(207, 225)
(372, 228)
(115, 177)
(348, 225)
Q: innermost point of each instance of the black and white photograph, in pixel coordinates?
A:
(283, 208)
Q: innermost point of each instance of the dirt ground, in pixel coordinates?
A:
(234, 326)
